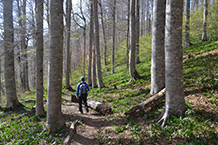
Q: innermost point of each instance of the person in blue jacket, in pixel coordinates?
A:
(82, 93)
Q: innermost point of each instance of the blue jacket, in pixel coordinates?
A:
(77, 89)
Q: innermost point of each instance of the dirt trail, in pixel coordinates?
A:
(91, 122)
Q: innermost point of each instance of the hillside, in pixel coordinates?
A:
(199, 126)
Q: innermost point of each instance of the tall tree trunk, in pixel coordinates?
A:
(90, 44)
(39, 58)
(33, 61)
(104, 36)
(84, 48)
(94, 83)
(204, 34)
(174, 98)
(24, 49)
(113, 37)
(55, 119)
(147, 18)
(11, 94)
(47, 11)
(0, 82)
(137, 32)
(142, 17)
(98, 60)
(132, 70)
(158, 55)
(68, 24)
(187, 28)
(127, 35)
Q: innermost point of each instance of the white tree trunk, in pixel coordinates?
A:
(137, 31)
(55, 119)
(132, 70)
(98, 60)
(39, 58)
(174, 99)
(113, 36)
(68, 25)
(11, 94)
(187, 28)
(90, 44)
(204, 34)
(158, 55)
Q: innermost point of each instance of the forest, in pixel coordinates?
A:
(151, 66)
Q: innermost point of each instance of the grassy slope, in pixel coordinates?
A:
(198, 127)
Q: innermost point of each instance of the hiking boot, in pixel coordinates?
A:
(87, 109)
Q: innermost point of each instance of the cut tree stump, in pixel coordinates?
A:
(73, 98)
(99, 107)
(148, 104)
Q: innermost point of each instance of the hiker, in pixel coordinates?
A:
(81, 94)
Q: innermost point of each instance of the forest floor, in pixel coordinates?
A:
(199, 126)
(98, 129)
(95, 128)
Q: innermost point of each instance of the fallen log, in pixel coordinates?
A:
(32, 100)
(71, 132)
(99, 107)
(148, 104)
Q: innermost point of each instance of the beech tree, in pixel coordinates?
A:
(187, 20)
(158, 55)
(113, 36)
(174, 98)
(98, 59)
(68, 24)
(132, 70)
(104, 35)
(55, 119)
(90, 43)
(23, 47)
(137, 31)
(11, 94)
(204, 34)
(39, 57)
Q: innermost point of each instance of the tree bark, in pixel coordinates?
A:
(11, 94)
(39, 58)
(174, 99)
(90, 44)
(94, 83)
(99, 107)
(55, 119)
(113, 36)
(24, 44)
(132, 70)
(147, 105)
(187, 27)
(158, 55)
(68, 25)
(137, 31)
(204, 34)
(104, 35)
(98, 60)
(127, 35)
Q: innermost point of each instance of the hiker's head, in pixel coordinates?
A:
(82, 78)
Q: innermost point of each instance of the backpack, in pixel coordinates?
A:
(82, 89)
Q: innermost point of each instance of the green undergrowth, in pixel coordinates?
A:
(199, 126)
